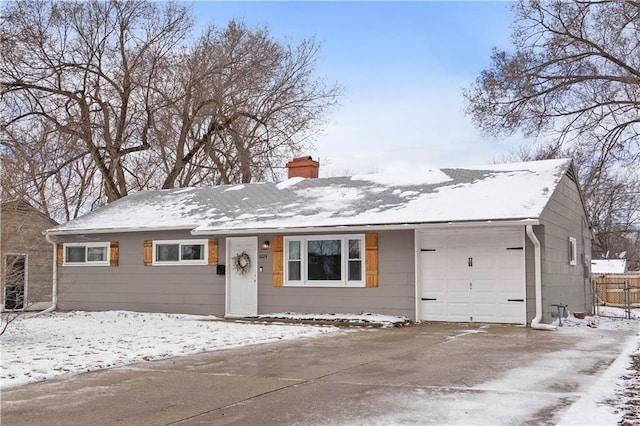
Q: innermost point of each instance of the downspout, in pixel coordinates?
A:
(54, 287)
(535, 323)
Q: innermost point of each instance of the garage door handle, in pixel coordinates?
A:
(429, 298)
(515, 300)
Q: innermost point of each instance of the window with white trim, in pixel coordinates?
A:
(573, 251)
(180, 252)
(86, 254)
(324, 261)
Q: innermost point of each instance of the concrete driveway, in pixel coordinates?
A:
(422, 374)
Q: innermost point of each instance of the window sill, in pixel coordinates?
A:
(198, 263)
(86, 264)
(327, 285)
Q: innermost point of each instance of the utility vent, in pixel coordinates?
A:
(571, 174)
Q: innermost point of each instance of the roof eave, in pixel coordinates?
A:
(79, 231)
(377, 227)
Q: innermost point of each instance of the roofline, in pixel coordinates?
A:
(53, 232)
(237, 231)
(7, 204)
(382, 227)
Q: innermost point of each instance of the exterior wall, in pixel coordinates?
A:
(395, 294)
(198, 290)
(562, 218)
(133, 286)
(22, 230)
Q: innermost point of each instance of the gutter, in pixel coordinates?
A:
(535, 323)
(364, 228)
(195, 229)
(54, 288)
(80, 231)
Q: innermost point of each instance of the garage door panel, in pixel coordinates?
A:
(435, 310)
(458, 311)
(433, 288)
(511, 309)
(484, 310)
(455, 241)
(496, 275)
(457, 288)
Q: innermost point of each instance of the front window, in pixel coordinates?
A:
(324, 261)
(189, 252)
(86, 254)
(355, 260)
(294, 260)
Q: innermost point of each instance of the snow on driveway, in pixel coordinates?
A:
(39, 347)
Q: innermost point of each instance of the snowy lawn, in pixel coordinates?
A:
(619, 386)
(39, 347)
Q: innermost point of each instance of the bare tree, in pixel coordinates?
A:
(50, 171)
(573, 79)
(100, 98)
(574, 71)
(245, 103)
(87, 68)
(612, 199)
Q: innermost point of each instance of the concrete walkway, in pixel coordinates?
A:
(423, 374)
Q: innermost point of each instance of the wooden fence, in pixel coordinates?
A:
(622, 291)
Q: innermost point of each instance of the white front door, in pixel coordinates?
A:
(472, 276)
(242, 276)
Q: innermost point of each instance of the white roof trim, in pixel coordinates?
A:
(119, 230)
(394, 227)
(342, 228)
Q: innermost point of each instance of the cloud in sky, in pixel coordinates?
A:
(423, 126)
(403, 66)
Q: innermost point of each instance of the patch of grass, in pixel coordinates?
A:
(631, 394)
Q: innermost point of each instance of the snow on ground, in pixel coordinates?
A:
(614, 398)
(39, 347)
(366, 318)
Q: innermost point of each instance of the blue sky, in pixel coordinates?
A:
(402, 65)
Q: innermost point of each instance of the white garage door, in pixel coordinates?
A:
(472, 276)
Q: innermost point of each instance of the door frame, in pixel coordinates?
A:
(254, 271)
(25, 281)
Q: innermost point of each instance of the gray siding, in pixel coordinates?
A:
(564, 217)
(22, 233)
(133, 286)
(395, 294)
(198, 290)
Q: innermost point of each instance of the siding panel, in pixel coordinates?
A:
(395, 294)
(133, 286)
(562, 218)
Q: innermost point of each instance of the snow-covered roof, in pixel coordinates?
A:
(514, 191)
(609, 266)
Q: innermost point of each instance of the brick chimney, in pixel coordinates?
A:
(305, 167)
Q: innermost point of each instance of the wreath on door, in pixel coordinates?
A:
(241, 263)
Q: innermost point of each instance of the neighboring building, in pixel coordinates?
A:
(27, 258)
(608, 266)
(432, 245)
